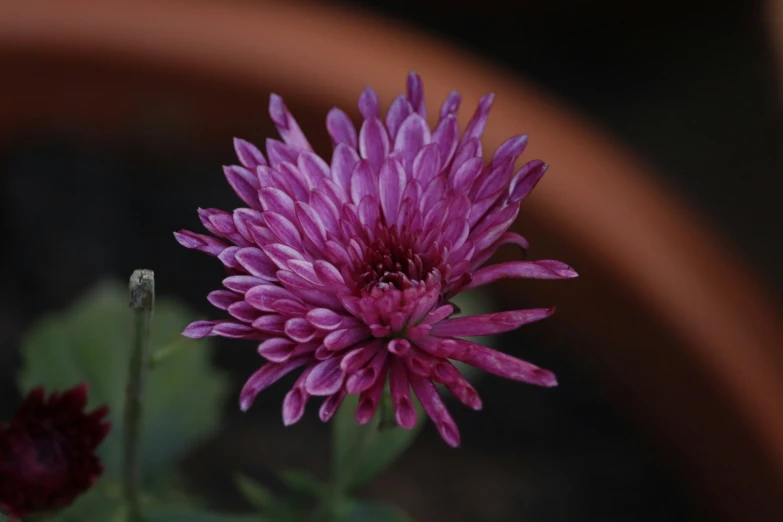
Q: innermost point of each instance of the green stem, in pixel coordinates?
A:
(142, 300)
(340, 481)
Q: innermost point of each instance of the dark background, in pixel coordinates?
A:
(691, 90)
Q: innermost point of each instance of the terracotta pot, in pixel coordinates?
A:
(690, 342)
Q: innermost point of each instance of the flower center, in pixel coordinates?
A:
(392, 261)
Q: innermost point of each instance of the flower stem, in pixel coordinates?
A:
(142, 300)
(339, 484)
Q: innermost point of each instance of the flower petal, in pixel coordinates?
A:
(545, 269)
(286, 124)
(340, 128)
(374, 142)
(249, 156)
(489, 324)
(369, 399)
(400, 389)
(436, 409)
(330, 405)
(369, 106)
(296, 400)
(501, 364)
(326, 378)
(267, 375)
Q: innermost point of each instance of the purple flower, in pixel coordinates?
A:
(47, 452)
(345, 269)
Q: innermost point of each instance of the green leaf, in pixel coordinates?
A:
(101, 502)
(188, 514)
(256, 494)
(274, 507)
(91, 342)
(362, 452)
(360, 511)
(302, 482)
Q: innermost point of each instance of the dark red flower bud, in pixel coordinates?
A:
(47, 452)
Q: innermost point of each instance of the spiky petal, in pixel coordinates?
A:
(345, 268)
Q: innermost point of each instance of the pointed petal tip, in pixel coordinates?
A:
(450, 434)
(198, 329)
(541, 377)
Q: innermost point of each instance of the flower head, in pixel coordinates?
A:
(47, 452)
(345, 269)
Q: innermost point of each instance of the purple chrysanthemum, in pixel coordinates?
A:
(346, 269)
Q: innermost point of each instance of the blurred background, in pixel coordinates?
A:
(109, 143)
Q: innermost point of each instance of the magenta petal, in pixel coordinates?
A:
(267, 375)
(281, 254)
(242, 283)
(363, 379)
(206, 244)
(450, 105)
(263, 297)
(324, 318)
(244, 312)
(415, 92)
(466, 174)
(400, 389)
(296, 400)
(369, 399)
(249, 156)
(489, 324)
(271, 324)
(446, 136)
(369, 106)
(286, 124)
(236, 331)
(414, 134)
(436, 409)
(363, 182)
(305, 270)
(285, 230)
(399, 347)
(525, 180)
(256, 262)
(311, 223)
(294, 405)
(243, 182)
(477, 123)
(358, 357)
(374, 142)
(222, 299)
(508, 238)
(501, 364)
(399, 110)
(511, 148)
(427, 164)
(340, 339)
(277, 349)
(313, 167)
(330, 405)
(199, 329)
(275, 200)
(299, 329)
(391, 184)
(448, 374)
(326, 378)
(344, 160)
(545, 269)
(340, 128)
